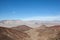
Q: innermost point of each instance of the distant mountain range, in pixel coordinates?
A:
(31, 23)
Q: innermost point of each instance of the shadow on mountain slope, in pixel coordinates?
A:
(22, 28)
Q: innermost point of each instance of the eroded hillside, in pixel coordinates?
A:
(11, 34)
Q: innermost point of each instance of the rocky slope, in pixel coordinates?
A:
(44, 34)
(11, 34)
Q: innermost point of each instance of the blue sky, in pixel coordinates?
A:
(30, 9)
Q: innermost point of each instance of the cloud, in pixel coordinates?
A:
(44, 18)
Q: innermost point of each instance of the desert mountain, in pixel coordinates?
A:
(11, 34)
(40, 33)
(22, 28)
